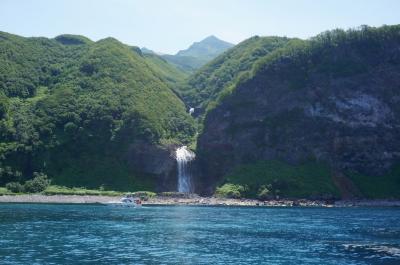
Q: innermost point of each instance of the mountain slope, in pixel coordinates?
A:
(85, 113)
(206, 85)
(208, 48)
(198, 54)
(331, 102)
(170, 74)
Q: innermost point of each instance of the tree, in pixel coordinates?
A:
(38, 184)
(15, 187)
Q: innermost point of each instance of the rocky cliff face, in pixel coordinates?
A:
(157, 162)
(349, 119)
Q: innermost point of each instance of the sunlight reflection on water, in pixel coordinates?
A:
(89, 234)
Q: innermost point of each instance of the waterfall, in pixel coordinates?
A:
(183, 159)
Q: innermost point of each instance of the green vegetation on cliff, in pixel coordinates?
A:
(268, 179)
(294, 60)
(167, 71)
(310, 179)
(73, 109)
(379, 187)
(206, 85)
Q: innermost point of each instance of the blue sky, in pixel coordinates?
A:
(170, 25)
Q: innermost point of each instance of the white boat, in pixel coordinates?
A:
(127, 201)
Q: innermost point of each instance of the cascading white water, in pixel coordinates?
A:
(191, 111)
(183, 159)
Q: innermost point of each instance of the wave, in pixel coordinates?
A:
(373, 250)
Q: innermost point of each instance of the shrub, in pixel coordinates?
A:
(263, 193)
(229, 190)
(38, 184)
(15, 187)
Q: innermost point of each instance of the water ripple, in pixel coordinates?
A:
(88, 234)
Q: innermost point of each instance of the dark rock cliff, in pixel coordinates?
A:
(157, 162)
(348, 119)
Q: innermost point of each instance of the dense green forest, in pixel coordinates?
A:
(71, 108)
(167, 71)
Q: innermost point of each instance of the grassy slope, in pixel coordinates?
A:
(4, 191)
(61, 190)
(378, 187)
(310, 180)
(186, 64)
(170, 73)
(307, 180)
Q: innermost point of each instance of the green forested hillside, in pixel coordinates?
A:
(27, 63)
(187, 64)
(206, 85)
(73, 108)
(167, 71)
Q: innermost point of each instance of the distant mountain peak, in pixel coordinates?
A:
(198, 54)
(209, 47)
(212, 37)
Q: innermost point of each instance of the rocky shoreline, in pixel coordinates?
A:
(197, 200)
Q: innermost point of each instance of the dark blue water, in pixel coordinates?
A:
(90, 234)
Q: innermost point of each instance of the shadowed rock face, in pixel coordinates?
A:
(160, 164)
(351, 122)
(155, 161)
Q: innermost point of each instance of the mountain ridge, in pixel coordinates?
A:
(209, 47)
(198, 54)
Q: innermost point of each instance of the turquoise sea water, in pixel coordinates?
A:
(91, 234)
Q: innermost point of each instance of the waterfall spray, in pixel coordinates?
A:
(183, 159)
